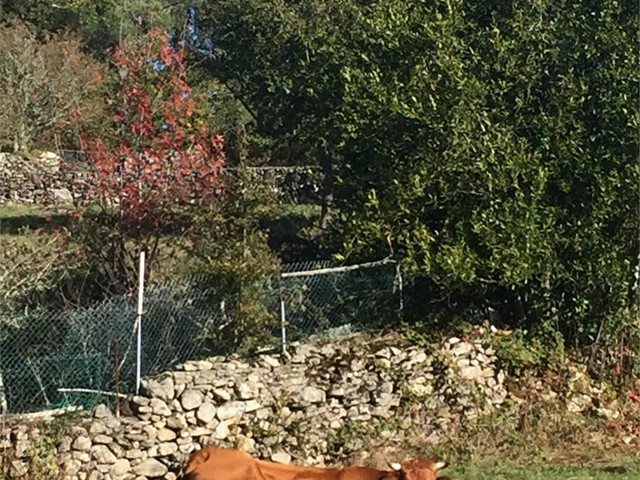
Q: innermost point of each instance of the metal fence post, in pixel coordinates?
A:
(400, 286)
(139, 323)
(116, 374)
(283, 315)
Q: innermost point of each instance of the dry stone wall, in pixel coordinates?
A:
(315, 406)
(42, 179)
(47, 180)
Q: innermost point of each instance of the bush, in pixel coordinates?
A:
(231, 251)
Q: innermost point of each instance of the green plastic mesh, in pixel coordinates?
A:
(46, 350)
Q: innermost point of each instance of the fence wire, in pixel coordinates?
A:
(55, 358)
(338, 302)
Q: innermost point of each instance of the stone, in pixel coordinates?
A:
(337, 392)
(140, 401)
(166, 449)
(120, 468)
(252, 406)
(221, 432)
(102, 439)
(199, 431)
(159, 407)
(463, 363)
(244, 391)
(82, 444)
(163, 389)
(461, 348)
(97, 428)
(151, 468)
(313, 395)
(230, 410)
(151, 431)
(471, 372)
(384, 353)
(270, 361)
(102, 454)
(420, 389)
(95, 474)
(284, 410)
(191, 399)
(19, 469)
(102, 411)
(197, 366)
(133, 454)
(177, 422)
(166, 435)
(281, 457)
(206, 412)
(579, 403)
(384, 363)
(83, 457)
(245, 444)
(117, 449)
(63, 447)
(221, 395)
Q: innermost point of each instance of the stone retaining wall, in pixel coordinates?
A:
(315, 406)
(46, 180)
(41, 179)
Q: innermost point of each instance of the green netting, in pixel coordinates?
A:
(47, 350)
(338, 302)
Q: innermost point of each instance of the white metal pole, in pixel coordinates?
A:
(283, 315)
(283, 325)
(139, 322)
(400, 285)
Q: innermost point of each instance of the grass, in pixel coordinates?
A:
(533, 440)
(32, 244)
(627, 471)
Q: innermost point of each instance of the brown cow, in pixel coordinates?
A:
(212, 463)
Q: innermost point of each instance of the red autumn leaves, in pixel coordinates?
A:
(163, 158)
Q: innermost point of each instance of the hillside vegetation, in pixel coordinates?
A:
(490, 148)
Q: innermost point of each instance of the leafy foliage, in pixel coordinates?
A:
(503, 167)
(43, 14)
(162, 164)
(492, 146)
(231, 252)
(51, 89)
(283, 60)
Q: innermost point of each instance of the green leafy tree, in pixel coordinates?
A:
(283, 60)
(495, 146)
(45, 15)
(491, 145)
(107, 23)
(231, 254)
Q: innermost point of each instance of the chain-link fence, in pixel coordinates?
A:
(318, 300)
(51, 359)
(45, 350)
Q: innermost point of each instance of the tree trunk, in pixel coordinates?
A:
(327, 187)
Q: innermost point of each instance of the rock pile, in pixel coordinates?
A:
(318, 405)
(314, 407)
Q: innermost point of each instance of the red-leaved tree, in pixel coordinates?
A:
(155, 170)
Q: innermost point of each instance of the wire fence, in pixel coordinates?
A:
(53, 359)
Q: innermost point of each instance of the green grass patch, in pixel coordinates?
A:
(618, 471)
